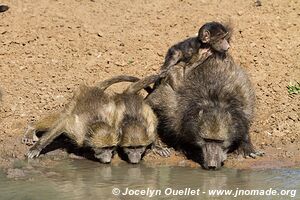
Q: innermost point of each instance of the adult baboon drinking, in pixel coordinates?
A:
(210, 113)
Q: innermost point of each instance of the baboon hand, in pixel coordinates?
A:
(255, 154)
(162, 151)
(248, 151)
(33, 152)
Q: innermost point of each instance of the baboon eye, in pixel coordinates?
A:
(135, 147)
(213, 140)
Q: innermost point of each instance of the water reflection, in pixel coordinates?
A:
(82, 179)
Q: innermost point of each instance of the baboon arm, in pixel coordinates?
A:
(203, 55)
(246, 148)
(47, 138)
(171, 60)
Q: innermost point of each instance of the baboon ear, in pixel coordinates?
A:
(206, 36)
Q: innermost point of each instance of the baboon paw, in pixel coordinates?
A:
(256, 154)
(162, 151)
(249, 153)
(246, 149)
(32, 153)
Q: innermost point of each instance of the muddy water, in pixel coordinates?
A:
(82, 179)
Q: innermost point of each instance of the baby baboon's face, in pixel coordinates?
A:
(104, 155)
(134, 154)
(221, 45)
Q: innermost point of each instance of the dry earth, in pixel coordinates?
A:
(49, 47)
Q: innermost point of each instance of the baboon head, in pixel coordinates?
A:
(215, 35)
(134, 141)
(104, 155)
(214, 130)
(213, 154)
(134, 154)
(103, 139)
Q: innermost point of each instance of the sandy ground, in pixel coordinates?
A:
(49, 47)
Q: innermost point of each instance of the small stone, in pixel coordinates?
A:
(100, 34)
(3, 8)
(252, 44)
(278, 133)
(258, 3)
(240, 13)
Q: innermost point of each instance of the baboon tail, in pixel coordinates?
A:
(142, 84)
(116, 79)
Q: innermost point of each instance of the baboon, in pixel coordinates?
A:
(103, 140)
(89, 119)
(210, 114)
(183, 57)
(138, 124)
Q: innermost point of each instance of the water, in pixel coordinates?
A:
(83, 179)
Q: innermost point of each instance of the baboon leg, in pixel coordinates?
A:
(46, 139)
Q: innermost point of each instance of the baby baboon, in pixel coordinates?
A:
(103, 140)
(183, 57)
(90, 115)
(210, 114)
(138, 124)
(213, 36)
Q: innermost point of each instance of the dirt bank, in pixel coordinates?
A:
(49, 47)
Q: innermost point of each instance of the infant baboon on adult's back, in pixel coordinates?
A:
(185, 56)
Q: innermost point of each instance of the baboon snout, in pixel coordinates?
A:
(213, 156)
(213, 164)
(134, 158)
(104, 158)
(134, 154)
(104, 155)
